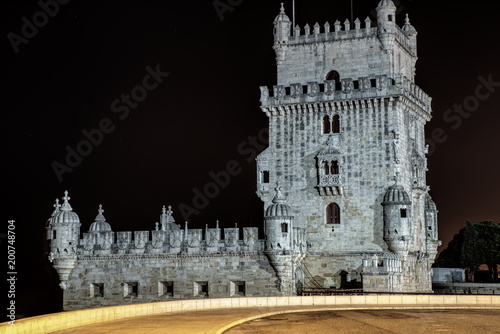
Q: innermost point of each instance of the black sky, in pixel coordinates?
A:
(65, 78)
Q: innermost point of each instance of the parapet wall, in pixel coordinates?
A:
(348, 89)
(175, 241)
(343, 32)
(65, 320)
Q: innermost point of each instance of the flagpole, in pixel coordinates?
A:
(293, 14)
(352, 13)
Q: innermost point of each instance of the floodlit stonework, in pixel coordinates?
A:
(352, 209)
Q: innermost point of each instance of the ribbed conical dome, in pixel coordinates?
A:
(396, 195)
(408, 28)
(66, 214)
(282, 17)
(385, 3)
(100, 224)
(279, 208)
(429, 204)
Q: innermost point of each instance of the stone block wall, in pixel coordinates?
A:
(116, 280)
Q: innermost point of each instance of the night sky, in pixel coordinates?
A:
(70, 76)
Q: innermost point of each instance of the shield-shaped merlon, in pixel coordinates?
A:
(140, 239)
(88, 241)
(175, 238)
(158, 238)
(123, 239)
(213, 237)
(194, 238)
(107, 239)
(231, 236)
(249, 235)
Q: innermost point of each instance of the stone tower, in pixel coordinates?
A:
(347, 143)
(63, 233)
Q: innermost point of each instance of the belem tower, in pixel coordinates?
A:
(343, 183)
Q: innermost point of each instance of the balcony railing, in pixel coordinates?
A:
(332, 180)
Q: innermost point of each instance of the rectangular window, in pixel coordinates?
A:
(265, 176)
(284, 228)
(237, 289)
(96, 289)
(403, 213)
(166, 288)
(200, 289)
(130, 289)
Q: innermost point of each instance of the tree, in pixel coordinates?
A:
(451, 255)
(471, 256)
(474, 245)
(488, 246)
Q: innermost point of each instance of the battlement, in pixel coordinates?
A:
(348, 89)
(342, 32)
(177, 242)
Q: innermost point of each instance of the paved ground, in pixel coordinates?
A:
(313, 321)
(372, 321)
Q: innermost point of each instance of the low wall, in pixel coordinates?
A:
(64, 320)
(467, 288)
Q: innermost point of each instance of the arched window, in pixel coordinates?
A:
(326, 168)
(333, 214)
(333, 75)
(336, 124)
(335, 167)
(326, 124)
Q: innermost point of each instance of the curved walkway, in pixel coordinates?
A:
(217, 315)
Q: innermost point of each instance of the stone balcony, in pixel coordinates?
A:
(330, 185)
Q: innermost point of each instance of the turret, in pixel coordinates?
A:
(431, 227)
(386, 21)
(278, 228)
(278, 224)
(63, 233)
(100, 231)
(282, 31)
(397, 218)
(411, 32)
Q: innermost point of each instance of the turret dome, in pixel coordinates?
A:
(408, 28)
(282, 17)
(65, 215)
(279, 208)
(396, 195)
(57, 207)
(385, 3)
(429, 204)
(100, 224)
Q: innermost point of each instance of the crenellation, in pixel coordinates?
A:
(351, 89)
